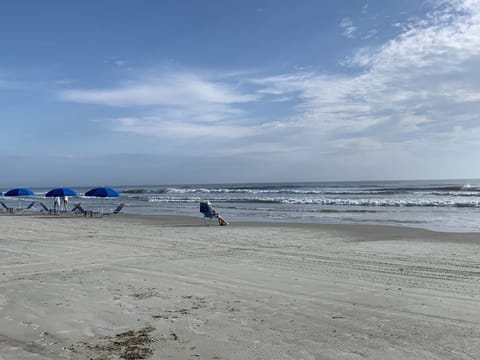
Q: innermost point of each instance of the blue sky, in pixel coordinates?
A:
(162, 92)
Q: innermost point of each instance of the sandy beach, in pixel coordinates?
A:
(156, 287)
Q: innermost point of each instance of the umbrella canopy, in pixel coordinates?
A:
(19, 192)
(61, 192)
(102, 192)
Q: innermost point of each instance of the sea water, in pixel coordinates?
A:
(441, 205)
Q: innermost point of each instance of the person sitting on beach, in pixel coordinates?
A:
(221, 220)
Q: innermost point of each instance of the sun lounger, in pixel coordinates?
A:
(78, 209)
(46, 209)
(8, 209)
(30, 206)
(13, 210)
(116, 210)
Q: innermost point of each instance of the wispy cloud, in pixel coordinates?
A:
(370, 34)
(178, 89)
(416, 83)
(348, 29)
(115, 60)
(174, 100)
(420, 88)
(364, 8)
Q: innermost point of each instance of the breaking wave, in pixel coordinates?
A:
(462, 191)
(328, 202)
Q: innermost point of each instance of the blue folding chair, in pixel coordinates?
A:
(207, 212)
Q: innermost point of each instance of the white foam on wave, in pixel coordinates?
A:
(361, 202)
(385, 202)
(471, 187)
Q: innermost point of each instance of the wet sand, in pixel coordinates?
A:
(159, 287)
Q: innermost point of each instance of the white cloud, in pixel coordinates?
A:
(415, 96)
(463, 95)
(416, 82)
(370, 34)
(413, 122)
(177, 89)
(410, 98)
(348, 28)
(364, 8)
(174, 98)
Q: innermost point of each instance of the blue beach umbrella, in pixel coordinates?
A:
(61, 192)
(19, 192)
(102, 192)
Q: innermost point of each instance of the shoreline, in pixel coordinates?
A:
(96, 288)
(194, 220)
(372, 231)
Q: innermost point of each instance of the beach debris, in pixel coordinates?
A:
(190, 304)
(135, 344)
(146, 294)
(128, 345)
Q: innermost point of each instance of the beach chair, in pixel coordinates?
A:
(78, 210)
(46, 209)
(29, 206)
(116, 210)
(8, 209)
(207, 212)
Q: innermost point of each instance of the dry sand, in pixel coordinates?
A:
(132, 287)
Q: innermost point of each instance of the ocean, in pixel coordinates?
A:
(440, 205)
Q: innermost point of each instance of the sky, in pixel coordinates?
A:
(117, 92)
